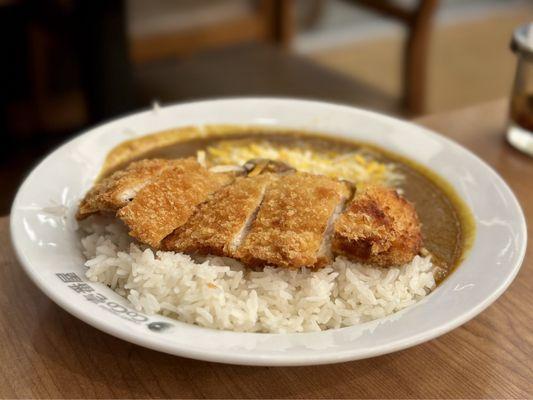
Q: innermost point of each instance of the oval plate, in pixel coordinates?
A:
(44, 236)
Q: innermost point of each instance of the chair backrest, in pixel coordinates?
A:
(419, 22)
(268, 20)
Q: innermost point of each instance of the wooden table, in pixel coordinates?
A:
(45, 352)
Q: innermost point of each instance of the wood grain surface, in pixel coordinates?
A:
(45, 352)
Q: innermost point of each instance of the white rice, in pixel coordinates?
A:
(220, 293)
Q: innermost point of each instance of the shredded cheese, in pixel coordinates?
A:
(356, 166)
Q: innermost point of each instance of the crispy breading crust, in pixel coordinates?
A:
(291, 221)
(378, 227)
(118, 189)
(218, 223)
(284, 220)
(167, 203)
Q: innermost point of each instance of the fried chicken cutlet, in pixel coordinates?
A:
(118, 189)
(219, 225)
(378, 227)
(153, 197)
(169, 200)
(292, 221)
(271, 216)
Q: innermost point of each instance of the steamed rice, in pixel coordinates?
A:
(221, 293)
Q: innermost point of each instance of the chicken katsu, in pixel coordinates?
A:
(292, 221)
(378, 227)
(271, 215)
(168, 202)
(219, 225)
(117, 190)
(153, 197)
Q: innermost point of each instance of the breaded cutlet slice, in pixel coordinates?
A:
(218, 225)
(378, 227)
(292, 221)
(169, 200)
(121, 187)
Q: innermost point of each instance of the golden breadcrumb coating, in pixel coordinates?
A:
(378, 227)
(167, 203)
(291, 222)
(218, 225)
(122, 186)
(272, 216)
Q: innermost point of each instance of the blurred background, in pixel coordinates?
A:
(69, 64)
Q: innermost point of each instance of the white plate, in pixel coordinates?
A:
(47, 245)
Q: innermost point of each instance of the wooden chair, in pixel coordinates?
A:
(273, 22)
(270, 21)
(418, 22)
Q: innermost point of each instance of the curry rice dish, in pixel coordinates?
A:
(278, 244)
